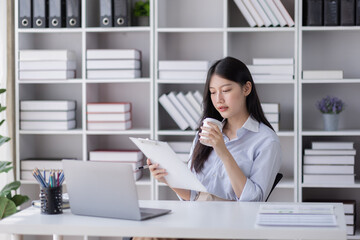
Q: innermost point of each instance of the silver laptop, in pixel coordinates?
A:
(105, 189)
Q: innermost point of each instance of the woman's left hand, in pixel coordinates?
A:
(212, 136)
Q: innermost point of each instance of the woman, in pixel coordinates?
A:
(244, 158)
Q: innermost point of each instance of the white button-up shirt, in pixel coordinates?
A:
(257, 152)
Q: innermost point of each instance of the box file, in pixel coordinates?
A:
(357, 12)
(313, 12)
(121, 13)
(73, 13)
(56, 13)
(39, 13)
(331, 12)
(347, 12)
(25, 18)
(106, 16)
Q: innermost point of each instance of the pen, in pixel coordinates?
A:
(142, 167)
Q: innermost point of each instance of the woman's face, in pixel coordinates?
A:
(228, 97)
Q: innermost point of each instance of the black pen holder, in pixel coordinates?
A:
(51, 200)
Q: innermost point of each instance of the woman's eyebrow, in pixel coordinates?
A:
(228, 84)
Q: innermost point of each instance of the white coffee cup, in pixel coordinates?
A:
(205, 124)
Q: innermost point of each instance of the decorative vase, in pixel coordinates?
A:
(331, 121)
(143, 21)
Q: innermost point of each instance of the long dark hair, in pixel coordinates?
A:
(234, 70)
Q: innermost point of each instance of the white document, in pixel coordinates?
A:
(179, 176)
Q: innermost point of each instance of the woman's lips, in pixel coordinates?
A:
(222, 109)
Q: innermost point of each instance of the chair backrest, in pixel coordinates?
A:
(277, 180)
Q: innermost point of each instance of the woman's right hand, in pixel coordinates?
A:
(157, 173)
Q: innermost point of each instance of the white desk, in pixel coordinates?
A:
(187, 220)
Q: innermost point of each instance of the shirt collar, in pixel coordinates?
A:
(250, 124)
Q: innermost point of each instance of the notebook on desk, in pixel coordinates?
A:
(105, 189)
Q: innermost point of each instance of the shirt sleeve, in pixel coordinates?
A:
(263, 172)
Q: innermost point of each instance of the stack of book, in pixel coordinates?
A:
(272, 69)
(113, 63)
(271, 111)
(184, 109)
(329, 163)
(183, 70)
(47, 115)
(46, 64)
(28, 165)
(133, 157)
(109, 116)
(260, 13)
(182, 150)
(325, 75)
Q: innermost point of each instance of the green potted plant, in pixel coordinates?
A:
(142, 12)
(8, 201)
(330, 107)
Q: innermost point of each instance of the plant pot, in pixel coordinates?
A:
(331, 121)
(142, 21)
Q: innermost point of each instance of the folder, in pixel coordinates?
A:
(331, 12)
(106, 18)
(73, 13)
(25, 14)
(313, 12)
(121, 13)
(39, 14)
(56, 13)
(347, 12)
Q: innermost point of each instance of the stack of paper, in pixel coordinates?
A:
(272, 69)
(184, 109)
(109, 116)
(46, 64)
(265, 13)
(133, 157)
(113, 63)
(47, 115)
(324, 75)
(329, 163)
(183, 70)
(271, 111)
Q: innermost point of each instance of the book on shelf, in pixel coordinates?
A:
(270, 107)
(313, 12)
(40, 163)
(331, 12)
(276, 12)
(259, 21)
(269, 13)
(113, 54)
(328, 159)
(273, 61)
(329, 178)
(47, 115)
(47, 125)
(187, 105)
(113, 64)
(328, 169)
(173, 112)
(332, 145)
(116, 125)
(183, 111)
(198, 96)
(350, 229)
(47, 65)
(46, 55)
(272, 117)
(270, 77)
(326, 75)
(290, 22)
(116, 155)
(182, 75)
(271, 69)
(47, 105)
(349, 219)
(192, 100)
(110, 107)
(46, 75)
(181, 147)
(349, 205)
(245, 12)
(330, 152)
(347, 12)
(112, 74)
(27, 174)
(184, 65)
(108, 117)
(261, 12)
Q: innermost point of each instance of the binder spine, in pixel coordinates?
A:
(39, 13)
(73, 13)
(56, 13)
(347, 12)
(106, 13)
(314, 13)
(331, 12)
(121, 13)
(25, 14)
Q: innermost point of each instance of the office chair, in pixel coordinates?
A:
(277, 180)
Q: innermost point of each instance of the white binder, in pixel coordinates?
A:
(179, 175)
